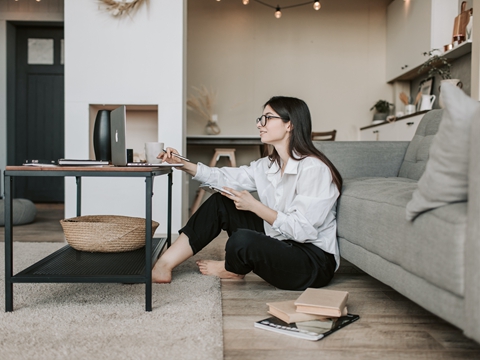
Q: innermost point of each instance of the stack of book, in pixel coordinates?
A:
(315, 314)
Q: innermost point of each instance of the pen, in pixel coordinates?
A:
(178, 156)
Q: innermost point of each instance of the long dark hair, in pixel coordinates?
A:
(301, 145)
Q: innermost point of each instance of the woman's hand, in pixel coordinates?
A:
(245, 201)
(168, 157)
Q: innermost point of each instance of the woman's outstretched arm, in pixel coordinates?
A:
(168, 157)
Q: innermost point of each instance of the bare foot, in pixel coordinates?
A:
(216, 268)
(161, 274)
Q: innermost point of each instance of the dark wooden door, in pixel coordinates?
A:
(39, 108)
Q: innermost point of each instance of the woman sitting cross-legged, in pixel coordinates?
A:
(288, 238)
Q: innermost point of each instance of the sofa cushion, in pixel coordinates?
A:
(416, 156)
(445, 179)
(371, 214)
(435, 246)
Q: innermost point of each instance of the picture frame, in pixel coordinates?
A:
(426, 87)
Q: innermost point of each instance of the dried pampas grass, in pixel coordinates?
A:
(202, 104)
(119, 8)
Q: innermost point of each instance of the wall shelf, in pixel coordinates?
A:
(455, 53)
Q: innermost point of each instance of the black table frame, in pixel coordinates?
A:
(144, 276)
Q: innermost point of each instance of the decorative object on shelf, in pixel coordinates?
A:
(410, 106)
(202, 104)
(425, 86)
(382, 108)
(460, 25)
(278, 9)
(123, 7)
(212, 127)
(101, 136)
(427, 102)
(436, 64)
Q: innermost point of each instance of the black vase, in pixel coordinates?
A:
(101, 136)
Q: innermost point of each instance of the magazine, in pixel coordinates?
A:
(309, 330)
(40, 163)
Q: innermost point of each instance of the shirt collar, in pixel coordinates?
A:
(291, 168)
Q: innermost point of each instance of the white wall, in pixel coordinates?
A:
(136, 60)
(334, 59)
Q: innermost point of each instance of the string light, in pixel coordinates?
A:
(278, 9)
(278, 12)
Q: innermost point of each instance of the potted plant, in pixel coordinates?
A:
(438, 65)
(382, 108)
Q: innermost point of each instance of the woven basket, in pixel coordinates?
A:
(105, 233)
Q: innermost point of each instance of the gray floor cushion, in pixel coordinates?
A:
(24, 211)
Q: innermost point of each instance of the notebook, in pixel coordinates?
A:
(118, 121)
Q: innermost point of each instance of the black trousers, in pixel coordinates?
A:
(287, 265)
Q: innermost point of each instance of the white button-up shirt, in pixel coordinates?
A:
(304, 197)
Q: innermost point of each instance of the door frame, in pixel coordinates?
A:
(11, 67)
(11, 71)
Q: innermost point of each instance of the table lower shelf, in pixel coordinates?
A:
(68, 265)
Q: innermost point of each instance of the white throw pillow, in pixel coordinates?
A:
(445, 179)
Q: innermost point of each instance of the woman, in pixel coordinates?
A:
(288, 238)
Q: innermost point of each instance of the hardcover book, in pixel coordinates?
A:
(329, 303)
(287, 312)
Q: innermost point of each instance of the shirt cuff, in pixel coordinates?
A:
(281, 218)
(203, 173)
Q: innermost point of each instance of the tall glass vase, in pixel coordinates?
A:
(101, 136)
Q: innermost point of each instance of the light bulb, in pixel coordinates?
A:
(278, 12)
(317, 5)
(245, 2)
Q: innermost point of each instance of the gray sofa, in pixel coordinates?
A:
(434, 260)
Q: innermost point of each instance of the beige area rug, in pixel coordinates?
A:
(108, 321)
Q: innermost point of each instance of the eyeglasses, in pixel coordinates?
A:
(264, 118)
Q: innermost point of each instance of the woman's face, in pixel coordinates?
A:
(275, 131)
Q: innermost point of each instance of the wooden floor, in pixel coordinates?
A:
(390, 325)
(45, 228)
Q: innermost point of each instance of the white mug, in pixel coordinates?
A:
(152, 150)
(427, 102)
(409, 109)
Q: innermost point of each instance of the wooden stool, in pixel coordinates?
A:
(221, 152)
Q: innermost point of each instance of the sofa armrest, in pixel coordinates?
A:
(355, 159)
(472, 246)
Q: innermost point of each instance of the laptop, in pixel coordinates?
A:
(118, 122)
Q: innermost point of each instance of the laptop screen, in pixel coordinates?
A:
(117, 135)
